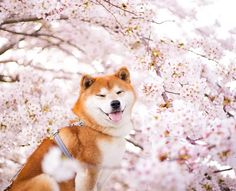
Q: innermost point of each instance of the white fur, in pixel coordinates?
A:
(112, 155)
(80, 178)
(57, 167)
(112, 150)
(94, 104)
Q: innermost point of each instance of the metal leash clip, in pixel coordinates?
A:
(78, 123)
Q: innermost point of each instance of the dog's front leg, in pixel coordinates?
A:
(103, 177)
(86, 180)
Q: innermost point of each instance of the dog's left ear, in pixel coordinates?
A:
(123, 74)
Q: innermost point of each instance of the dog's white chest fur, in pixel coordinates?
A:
(111, 151)
(111, 155)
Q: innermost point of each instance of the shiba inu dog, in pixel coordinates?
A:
(105, 105)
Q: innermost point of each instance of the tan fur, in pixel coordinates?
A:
(82, 142)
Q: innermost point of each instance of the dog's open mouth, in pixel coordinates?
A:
(115, 116)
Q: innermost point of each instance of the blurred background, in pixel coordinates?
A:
(181, 54)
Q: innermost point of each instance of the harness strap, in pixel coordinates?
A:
(62, 146)
(60, 143)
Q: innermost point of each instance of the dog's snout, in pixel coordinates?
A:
(115, 104)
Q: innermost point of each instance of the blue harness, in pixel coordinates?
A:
(60, 143)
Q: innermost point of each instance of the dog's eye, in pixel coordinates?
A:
(119, 92)
(101, 95)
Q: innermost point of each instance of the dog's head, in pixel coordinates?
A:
(107, 100)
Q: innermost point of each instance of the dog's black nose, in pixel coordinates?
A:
(115, 104)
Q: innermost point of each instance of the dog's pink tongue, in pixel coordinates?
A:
(116, 116)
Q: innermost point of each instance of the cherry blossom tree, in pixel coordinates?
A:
(182, 61)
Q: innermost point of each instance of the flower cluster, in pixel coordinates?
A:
(182, 64)
(32, 110)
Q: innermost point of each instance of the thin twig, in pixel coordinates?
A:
(6, 61)
(201, 55)
(223, 170)
(193, 141)
(170, 92)
(114, 5)
(161, 22)
(30, 19)
(165, 97)
(57, 45)
(135, 144)
(112, 14)
(227, 112)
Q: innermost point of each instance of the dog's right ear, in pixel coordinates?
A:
(86, 82)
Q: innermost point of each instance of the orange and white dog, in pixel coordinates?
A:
(105, 105)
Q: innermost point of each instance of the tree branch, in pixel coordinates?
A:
(9, 46)
(30, 19)
(227, 112)
(223, 170)
(201, 55)
(118, 7)
(164, 96)
(170, 92)
(6, 61)
(135, 144)
(36, 35)
(9, 79)
(112, 14)
(39, 68)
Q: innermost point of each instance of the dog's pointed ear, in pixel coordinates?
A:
(123, 74)
(86, 82)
